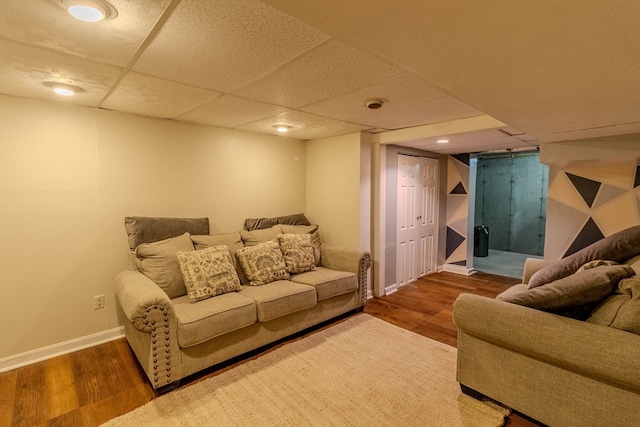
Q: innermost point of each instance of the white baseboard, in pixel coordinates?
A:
(457, 269)
(49, 352)
(388, 290)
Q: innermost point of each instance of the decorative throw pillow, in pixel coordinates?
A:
(252, 238)
(574, 291)
(622, 309)
(263, 263)
(617, 247)
(208, 272)
(232, 240)
(158, 262)
(306, 229)
(298, 252)
(596, 263)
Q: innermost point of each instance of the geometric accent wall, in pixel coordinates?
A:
(589, 201)
(457, 209)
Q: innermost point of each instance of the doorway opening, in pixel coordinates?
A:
(510, 211)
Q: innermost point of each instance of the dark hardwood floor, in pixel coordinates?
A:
(91, 386)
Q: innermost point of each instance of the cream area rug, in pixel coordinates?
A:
(360, 372)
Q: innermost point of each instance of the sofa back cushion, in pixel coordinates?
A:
(622, 309)
(159, 263)
(618, 247)
(255, 237)
(141, 229)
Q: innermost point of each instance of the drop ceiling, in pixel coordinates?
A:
(535, 71)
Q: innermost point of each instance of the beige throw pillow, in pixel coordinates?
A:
(298, 252)
(208, 272)
(232, 240)
(622, 309)
(158, 262)
(263, 263)
(312, 230)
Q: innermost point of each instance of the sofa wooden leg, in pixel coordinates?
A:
(167, 388)
(471, 392)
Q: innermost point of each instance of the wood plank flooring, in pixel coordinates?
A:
(91, 386)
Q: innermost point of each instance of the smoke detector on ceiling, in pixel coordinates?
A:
(374, 104)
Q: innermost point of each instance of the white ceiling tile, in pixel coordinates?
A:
(397, 93)
(328, 70)
(221, 44)
(45, 23)
(302, 124)
(140, 94)
(427, 112)
(24, 70)
(231, 111)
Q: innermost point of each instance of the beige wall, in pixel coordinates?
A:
(334, 188)
(68, 177)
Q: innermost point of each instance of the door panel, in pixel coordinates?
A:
(417, 218)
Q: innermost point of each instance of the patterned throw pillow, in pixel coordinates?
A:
(298, 252)
(208, 272)
(263, 263)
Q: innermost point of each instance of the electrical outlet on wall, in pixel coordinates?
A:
(98, 302)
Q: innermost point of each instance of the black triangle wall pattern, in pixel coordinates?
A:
(459, 189)
(589, 234)
(587, 188)
(453, 241)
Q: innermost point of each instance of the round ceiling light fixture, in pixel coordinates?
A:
(442, 141)
(90, 10)
(374, 104)
(63, 88)
(282, 128)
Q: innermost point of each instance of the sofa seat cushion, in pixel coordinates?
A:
(328, 283)
(280, 298)
(201, 321)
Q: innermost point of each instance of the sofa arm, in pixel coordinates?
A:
(599, 352)
(151, 326)
(342, 258)
(531, 265)
(138, 296)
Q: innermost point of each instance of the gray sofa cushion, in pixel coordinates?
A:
(212, 317)
(158, 261)
(328, 283)
(260, 223)
(277, 299)
(581, 288)
(142, 229)
(618, 247)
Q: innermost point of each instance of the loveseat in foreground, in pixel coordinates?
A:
(523, 350)
(175, 333)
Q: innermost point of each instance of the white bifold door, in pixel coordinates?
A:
(417, 238)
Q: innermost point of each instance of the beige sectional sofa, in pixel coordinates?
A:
(175, 333)
(559, 370)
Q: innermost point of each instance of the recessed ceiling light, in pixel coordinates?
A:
(442, 141)
(63, 88)
(374, 104)
(90, 10)
(282, 128)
